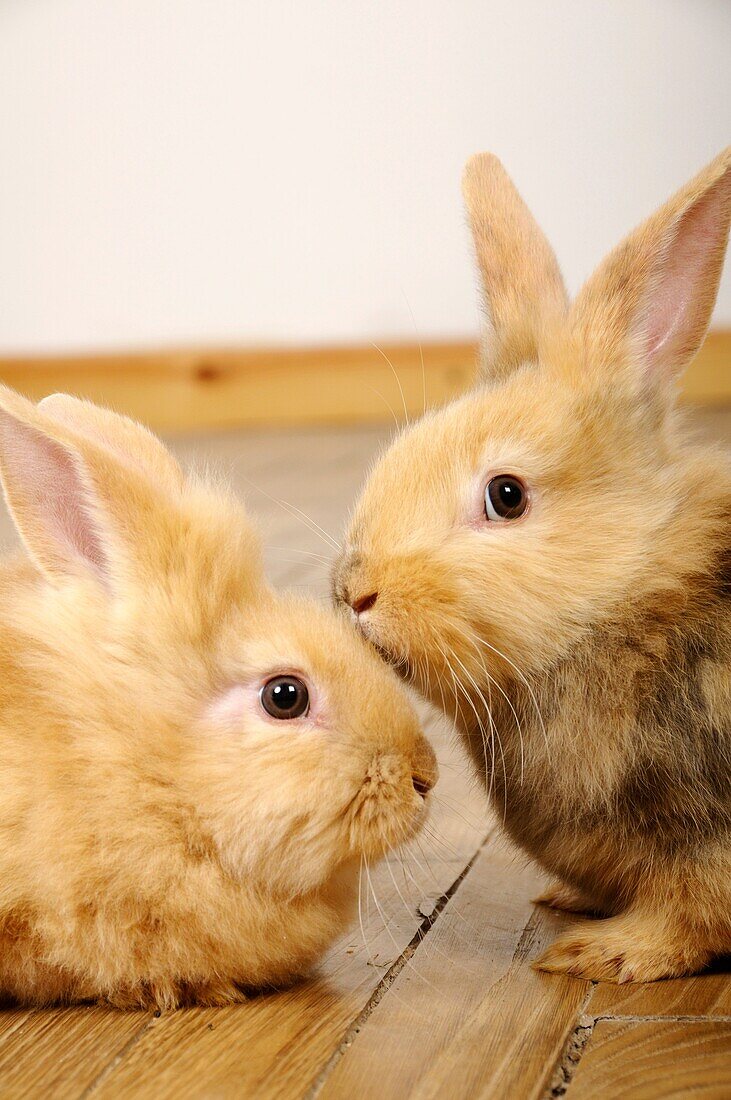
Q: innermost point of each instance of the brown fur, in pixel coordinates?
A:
(162, 841)
(585, 649)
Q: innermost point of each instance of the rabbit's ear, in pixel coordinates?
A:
(521, 282)
(125, 437)
(646, 309)
(78, 507)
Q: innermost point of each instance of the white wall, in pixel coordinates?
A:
(231, 170)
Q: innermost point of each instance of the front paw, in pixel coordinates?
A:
(565, 898)
(164, 996)
(619, 950)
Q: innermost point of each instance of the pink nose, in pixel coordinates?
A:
(422, 784)
(364, 603)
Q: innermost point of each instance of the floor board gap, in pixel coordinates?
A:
(573, 1051)
(393, 972)
(115, 1061)
(662, 1019)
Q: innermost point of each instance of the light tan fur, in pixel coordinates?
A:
(584, 650)
(163, 840)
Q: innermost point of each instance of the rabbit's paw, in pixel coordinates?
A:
(167, 995)
(566, 898)
(216, 993)
(621, 949)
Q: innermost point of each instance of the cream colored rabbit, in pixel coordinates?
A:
(550, 559)
(191, 766)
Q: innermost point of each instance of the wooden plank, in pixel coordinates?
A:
(219, 387)
(198, 388)
(277, 1045)
(10, 1020)
(708, 380)
(655, 1060)
(705, 995)
(61, 1052)
(479, 1022)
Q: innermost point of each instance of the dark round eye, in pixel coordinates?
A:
(506, 497)
(285, 697)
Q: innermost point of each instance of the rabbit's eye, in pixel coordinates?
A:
(285, 697)
(506, 497)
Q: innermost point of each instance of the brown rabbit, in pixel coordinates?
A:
(549, 558)
(191, 766)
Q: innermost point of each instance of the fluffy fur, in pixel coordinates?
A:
(162, 839)
(584, 649)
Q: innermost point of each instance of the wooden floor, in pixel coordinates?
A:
(435, 996)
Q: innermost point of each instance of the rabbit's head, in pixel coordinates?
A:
(498, 529)
(202, 716)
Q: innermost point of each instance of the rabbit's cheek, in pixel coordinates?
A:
(408, 622)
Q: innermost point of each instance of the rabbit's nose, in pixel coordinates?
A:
(424, 769)
(423, 784)
(360, 604)
(345, 579)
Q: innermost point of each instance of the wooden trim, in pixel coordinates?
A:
(220, 388)
(708, 380)
(223, 388)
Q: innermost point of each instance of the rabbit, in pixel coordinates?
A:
(548, 558)
(192, 767)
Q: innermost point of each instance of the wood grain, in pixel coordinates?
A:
(708, 379)
(61, 1052)
(496, 1026)
(705, 995)
(203, 388)
(655, 1060)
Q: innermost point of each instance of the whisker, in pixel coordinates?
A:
(452, 807)
(360, 913)
(386, 925)
(493, 681)
(409, 909)
(483, 734)
(398, 380)
(297, 513)
(524, 679)
(439, 892)
(305, 553)
(388, 404)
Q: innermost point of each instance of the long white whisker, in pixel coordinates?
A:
(450, 805)
(525, 681)
(386, 925)
(458, 685)
(398, 380)
(494, 735)
(388, 404)
(493, 681)
(298, 514)
(315, 526)
(305, 553)
(360, 914)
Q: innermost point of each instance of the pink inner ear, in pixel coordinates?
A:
(675, 317)
(49, 500)
(69, 513)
